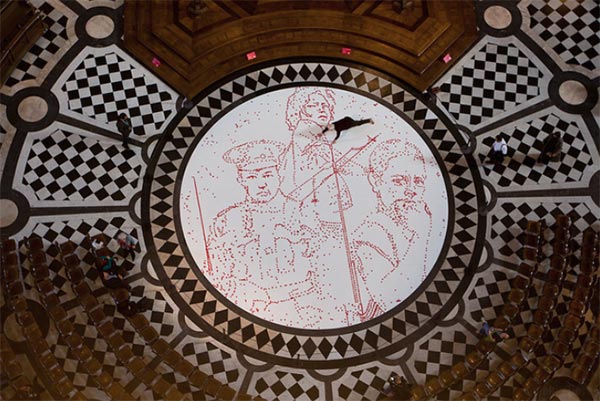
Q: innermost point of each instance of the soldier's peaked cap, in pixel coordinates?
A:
(255, 155)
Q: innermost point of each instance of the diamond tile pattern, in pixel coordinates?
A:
(497, 78)
(489, 294)
(570, 28)
(92, 339)
(78, 376)
(212, 361)
(442, 350)
(334, 346)
(104, 85)
(160, 313)
(508, 229)
(560, 311)
(520, 324)
(74, 229)
(183, 385)
(54, 39)
(363, 384)
(524, 146)
(281, 386)
(64, 166)
(83, 381)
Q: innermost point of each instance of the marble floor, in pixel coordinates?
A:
(258, 240)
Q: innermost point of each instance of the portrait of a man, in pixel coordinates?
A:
(257, 245)
(393, 239)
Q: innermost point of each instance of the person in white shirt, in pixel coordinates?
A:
(499, 151)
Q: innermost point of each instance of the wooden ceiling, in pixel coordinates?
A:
(201, 41)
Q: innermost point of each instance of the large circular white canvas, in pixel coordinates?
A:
(330, 256)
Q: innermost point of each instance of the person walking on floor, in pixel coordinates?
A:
(499, 150)
(345, 124)
(551, 148)
(124, 127)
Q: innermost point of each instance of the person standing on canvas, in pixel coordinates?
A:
(345, 124)
(313, 174)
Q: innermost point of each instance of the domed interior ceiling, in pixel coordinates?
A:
(199, 42)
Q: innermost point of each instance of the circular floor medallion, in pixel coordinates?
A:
(497, 17)
(9, 213)
(572, 92)
(304, 232)
(100, 26)
(286, 246)
(33, 108)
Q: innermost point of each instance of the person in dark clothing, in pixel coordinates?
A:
(499, 335)
(431, 93)
(344, 124)
(551, 148)
(114, 280)
(129, 308)
(124, 127)
(398, 388)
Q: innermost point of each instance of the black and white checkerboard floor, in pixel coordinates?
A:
(77, 180)
(570, 28)
(525, 145)
(48, 49)
(496, 78)
(66, 166)
(104, 85)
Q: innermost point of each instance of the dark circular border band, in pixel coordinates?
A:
(592, 92)
(339, 348)
(115, 35)
(511, 7)
(311, 332)
(12, 110)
